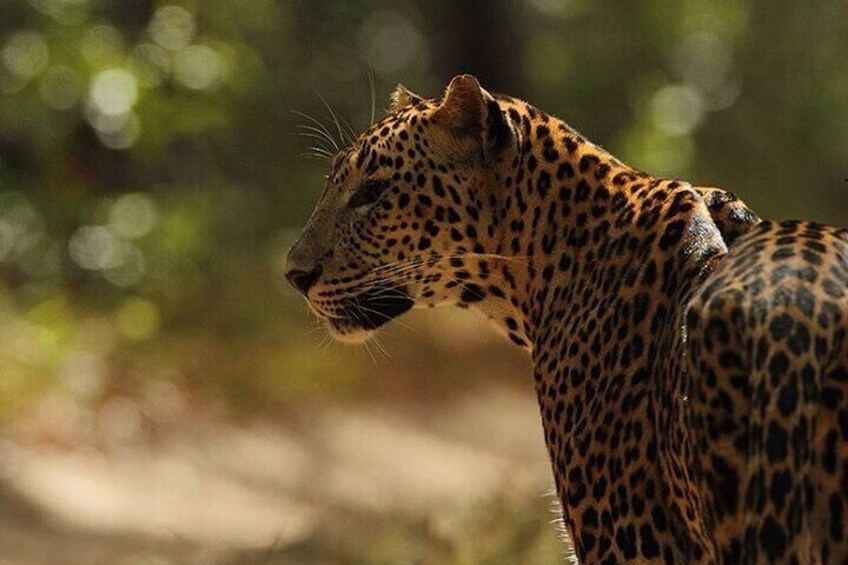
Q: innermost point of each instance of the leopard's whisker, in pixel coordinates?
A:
(381, 348)
(335, 120)
(315, 136)
(319, 124)
(319, 157)
(372, 84)
(350, 130)
(403, 267)
(363, 308)
(320, 151)
(313, 130)
(367, 348)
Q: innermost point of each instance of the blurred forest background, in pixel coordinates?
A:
(165, 398)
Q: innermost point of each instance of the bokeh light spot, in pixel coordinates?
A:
(66, 12)
(172, 27)
(703, 60)
(33, 344)
(133, 215)
(25, 54)
(199, 67)
(137, 318)
(119, 132)
(131, 270)
(677, 110)
(102, 46)
(96, 248)
(83, 373)
(655, 151)
(114, 91)
(150, 63)
(391, 41)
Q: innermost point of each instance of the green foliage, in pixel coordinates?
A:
(150, 177)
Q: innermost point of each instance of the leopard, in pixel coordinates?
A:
(689, 358)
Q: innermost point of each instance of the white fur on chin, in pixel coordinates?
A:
(345, 333)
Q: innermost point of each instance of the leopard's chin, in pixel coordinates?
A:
(345, 331)
(358, 317)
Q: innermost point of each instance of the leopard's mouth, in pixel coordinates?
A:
(355, 318)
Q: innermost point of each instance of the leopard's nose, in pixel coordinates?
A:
(303, 280)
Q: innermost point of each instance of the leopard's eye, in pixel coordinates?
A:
(368, 194)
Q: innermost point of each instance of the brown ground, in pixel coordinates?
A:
(363, 484)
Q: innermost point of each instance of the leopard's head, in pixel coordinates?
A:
(408, 210)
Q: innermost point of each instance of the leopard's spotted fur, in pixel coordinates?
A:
(693, 394)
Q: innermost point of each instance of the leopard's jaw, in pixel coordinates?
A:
(355, 317)
(345, 331)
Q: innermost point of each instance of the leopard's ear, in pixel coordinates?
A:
(473, 118)
(463, 107)
(401, 97)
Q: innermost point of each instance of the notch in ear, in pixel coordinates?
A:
(473, 120)
(401, 97)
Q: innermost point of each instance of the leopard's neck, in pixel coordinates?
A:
(559, 200)
(600, 261)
